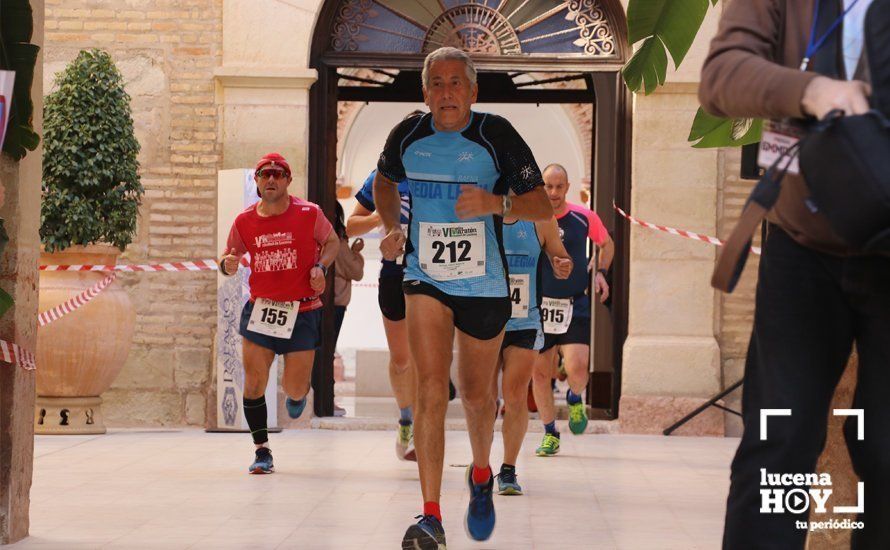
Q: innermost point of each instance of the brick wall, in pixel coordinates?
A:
(736, 313)
(167, 51)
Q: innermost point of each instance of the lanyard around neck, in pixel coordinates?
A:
(814, 44)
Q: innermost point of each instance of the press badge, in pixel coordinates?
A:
(777, 138)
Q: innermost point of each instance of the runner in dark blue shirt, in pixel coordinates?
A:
(566, 308)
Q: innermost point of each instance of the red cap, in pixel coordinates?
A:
(273, 159)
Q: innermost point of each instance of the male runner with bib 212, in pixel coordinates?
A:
(460, 166)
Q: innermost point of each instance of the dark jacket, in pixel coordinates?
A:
(752, 70)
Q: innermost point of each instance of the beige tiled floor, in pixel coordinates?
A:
(345, 490)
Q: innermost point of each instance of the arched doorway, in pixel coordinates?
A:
(527, 51)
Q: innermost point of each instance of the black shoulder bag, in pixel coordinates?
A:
(845, 161)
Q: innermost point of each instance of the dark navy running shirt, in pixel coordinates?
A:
(365, 197)
(576, 225)
(459, 257)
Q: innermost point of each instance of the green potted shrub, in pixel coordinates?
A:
(91, 198)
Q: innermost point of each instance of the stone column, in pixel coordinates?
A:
(671, 357)
(18, 277)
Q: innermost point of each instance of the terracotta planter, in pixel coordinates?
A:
(80, 355)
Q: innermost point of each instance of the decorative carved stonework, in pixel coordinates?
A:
(595, 36)
(347, 25)
(73, 415)
(542, 27)
(473, 28)
(581, 115)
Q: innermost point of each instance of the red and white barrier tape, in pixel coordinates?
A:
(77, 302)
(15, 355)
(197, 265)
(677, 232)
(12, 353)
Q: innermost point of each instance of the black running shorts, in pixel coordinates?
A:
(578, 333)
(481, 318)
(391, 297)
(526, 339)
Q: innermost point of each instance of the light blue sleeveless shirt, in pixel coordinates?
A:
(523, 251)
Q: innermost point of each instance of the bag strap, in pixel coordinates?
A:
(737, 247)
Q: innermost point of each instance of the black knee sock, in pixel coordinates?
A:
(255, 413)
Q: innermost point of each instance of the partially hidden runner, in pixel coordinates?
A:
(524, 336)
(391, 300)
(291, 245)
(460, 165)
(566, 308)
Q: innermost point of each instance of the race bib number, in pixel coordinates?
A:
(777, 138)
(272, 318)
(556, 313)
(519, 291)
(450, 251)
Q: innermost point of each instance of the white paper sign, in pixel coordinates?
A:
(7, 79)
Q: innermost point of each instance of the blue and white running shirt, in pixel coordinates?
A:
(523, 250)
(459, 257)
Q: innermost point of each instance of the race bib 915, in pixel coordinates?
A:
(556, 314)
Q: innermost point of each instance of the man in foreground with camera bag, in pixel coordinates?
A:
(809, 66)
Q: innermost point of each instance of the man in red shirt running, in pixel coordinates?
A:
(291, 245)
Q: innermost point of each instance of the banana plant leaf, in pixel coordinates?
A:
(664, 26)
(710, 131)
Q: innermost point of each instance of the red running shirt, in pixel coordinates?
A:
(283, 249)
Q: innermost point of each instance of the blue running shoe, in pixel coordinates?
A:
(508, 484)
(295, 407)
(479, 521)
(426, 534)
(263, 463)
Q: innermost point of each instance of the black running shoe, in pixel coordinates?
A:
(426, 534)
(263, 462)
